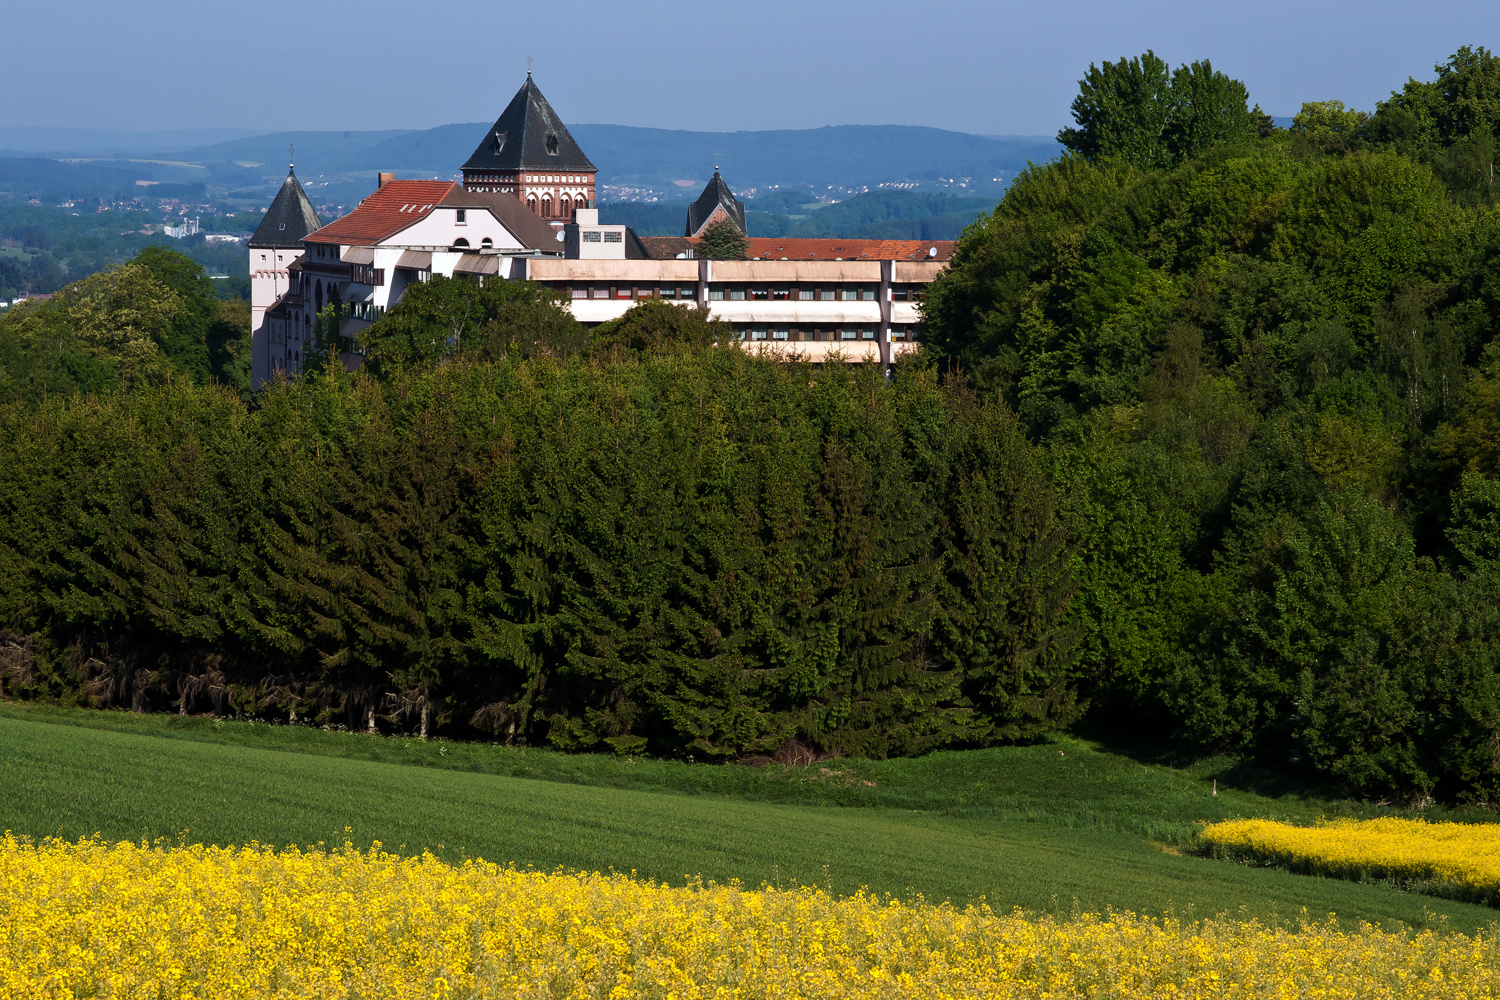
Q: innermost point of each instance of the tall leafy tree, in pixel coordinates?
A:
(1138, 111)
(448, 317)
(1463, 102)
(186, 343)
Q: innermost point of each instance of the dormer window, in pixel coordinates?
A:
(551, 143)
(499, 141)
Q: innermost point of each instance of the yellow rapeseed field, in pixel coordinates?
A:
(93, 919)
(1456, 860)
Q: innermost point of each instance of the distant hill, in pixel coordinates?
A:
(635, 164)
(884, 215)
(844, 157)
(316, 152)
(110, 142)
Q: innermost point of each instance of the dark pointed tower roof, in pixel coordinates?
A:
(715, 195)
(528, 135)
(289, 219)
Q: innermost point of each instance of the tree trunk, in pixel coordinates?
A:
(426, 718)
(370, 721)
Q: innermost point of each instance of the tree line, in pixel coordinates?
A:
(683, 550)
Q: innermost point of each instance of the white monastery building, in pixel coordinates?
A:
(525, 211)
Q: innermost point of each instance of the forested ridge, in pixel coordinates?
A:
(1201, 444)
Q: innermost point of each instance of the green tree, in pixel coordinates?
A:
(722, 240)
(1138, 111)
(123, 316)
(1329, 118)
(229, 345)
(187, 342)
(448, 317)
(1462, 103)
(661, 327)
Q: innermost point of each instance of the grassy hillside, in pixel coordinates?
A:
(1031, 827)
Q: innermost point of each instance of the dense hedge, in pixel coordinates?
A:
(695, 552)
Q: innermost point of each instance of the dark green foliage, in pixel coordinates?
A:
(1462, 103)
(673, 549)
(722, 240)
(1138, 112)
(1263, 377)
(187, 342)
(458, 317)
(657, 326)
(92, 336)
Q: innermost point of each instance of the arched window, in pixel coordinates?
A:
(565, 205)
(486, 243)
(531, 202)
(546, 206)
(460, 244)
(319, 295)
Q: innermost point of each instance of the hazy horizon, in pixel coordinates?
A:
(964, 65)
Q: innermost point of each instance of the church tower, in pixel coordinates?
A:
(276, 245)
(530, 154)
(715, 203)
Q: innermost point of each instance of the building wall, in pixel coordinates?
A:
(817, 309)
(579, 186)
(268, 281)
(440, 227)
(714, 216)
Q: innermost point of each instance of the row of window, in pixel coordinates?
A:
(762, 293)
(794, 334)
(744, 293)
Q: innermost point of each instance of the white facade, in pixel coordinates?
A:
(857, 310)
(270, 279)
(417, 233)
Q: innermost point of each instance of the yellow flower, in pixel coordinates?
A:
(1457, 860)
(134, 920)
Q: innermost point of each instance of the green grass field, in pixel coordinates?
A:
(1027, 826)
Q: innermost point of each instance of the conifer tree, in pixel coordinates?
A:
(722, 240)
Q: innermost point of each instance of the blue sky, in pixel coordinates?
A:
(994, 68)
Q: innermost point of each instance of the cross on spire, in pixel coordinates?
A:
(528, 65)
(290, 155)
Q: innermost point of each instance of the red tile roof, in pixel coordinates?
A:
(393, 207)
(775, 248)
